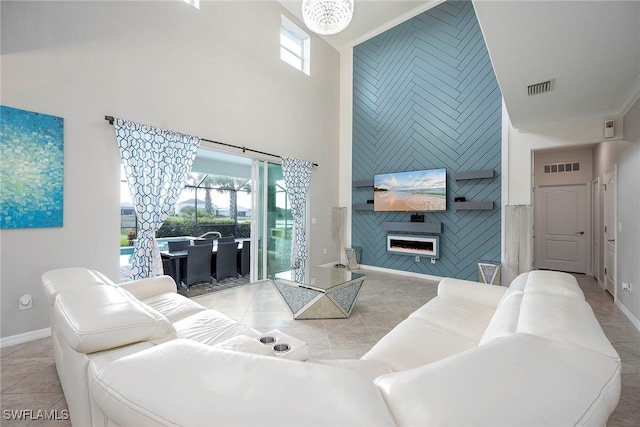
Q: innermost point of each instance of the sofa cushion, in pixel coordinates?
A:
(97, 361)
(54, 281)
(515, 380)
(461, 316)
(553, 282)
(372, 369)
(202, 385)
(97, 318)
(515, 288)
(519, 283)
(480, 293)
(173, 305)
(149, 287)
(212, 327)
(564, 319)
(505, 320)
(415, 342)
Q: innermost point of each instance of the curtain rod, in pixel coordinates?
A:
(110, 119)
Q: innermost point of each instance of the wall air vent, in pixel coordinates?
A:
(539, 88)
(562, 167)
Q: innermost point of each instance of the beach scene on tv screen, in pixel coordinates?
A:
(424, 190)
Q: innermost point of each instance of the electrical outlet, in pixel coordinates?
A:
(626, 287)
(25, 302)
(433, 260)
(417, 258)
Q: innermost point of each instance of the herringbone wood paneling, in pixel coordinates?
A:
(425, 96)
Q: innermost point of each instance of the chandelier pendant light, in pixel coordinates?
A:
(326, 17)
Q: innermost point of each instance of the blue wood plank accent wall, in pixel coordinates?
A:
(425, 96)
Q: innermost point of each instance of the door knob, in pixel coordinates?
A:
(612, 240)
(579, 232)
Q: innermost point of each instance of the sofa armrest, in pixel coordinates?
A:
(481, 293)
(147, 288)
(520, 379)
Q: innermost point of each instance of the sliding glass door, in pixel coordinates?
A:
(219, 196)
(273, 223)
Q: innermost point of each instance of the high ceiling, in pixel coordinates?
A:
(370, 17)
(591, 50)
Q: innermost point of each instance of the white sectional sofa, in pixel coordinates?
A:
(94, 322)
(530, 354)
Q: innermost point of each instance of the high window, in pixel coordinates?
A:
(295, 46)
(194, 3)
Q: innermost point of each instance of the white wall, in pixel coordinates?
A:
(628, 208)
(606, 155)
(521, 145)
(213, 72)
(346, 139)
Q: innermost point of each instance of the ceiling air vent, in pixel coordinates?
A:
(539, 88)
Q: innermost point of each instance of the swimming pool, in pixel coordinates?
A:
(127, 251)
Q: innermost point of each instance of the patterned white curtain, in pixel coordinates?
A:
(297, 175)
(157, 163)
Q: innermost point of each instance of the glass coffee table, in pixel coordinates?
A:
(319, 292)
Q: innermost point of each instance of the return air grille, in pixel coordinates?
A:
(562, 167)
(539, 88)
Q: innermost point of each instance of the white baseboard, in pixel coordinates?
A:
(634, 320)
(390, 271)
(329, 264)
(26, 337)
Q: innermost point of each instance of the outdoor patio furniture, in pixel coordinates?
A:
(244, 266)
(227, 261)
(198, 264)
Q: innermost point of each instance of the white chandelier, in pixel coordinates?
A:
(327, 17)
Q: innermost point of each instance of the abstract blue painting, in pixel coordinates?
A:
(31, 169)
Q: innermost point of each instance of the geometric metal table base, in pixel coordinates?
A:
(319, 292)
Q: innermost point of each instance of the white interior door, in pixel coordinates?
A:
(609, 189)
(561, 228)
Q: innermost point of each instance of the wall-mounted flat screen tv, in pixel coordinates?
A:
(420, 191)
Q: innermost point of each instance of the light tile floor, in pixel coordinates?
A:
(29, 380)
